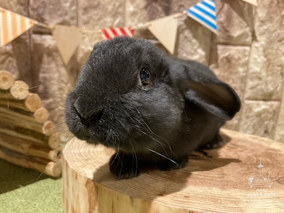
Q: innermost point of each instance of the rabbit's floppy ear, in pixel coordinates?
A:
(200, 86)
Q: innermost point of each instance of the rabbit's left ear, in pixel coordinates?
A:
(218, 98)
(200, 86)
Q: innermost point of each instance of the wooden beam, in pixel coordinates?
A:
(36, 163)
(29, 148)
(30, 104)
(41, 134)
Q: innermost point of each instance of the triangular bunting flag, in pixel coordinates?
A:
(12, 25)
(253, 2)
(205, 13)
(67, 39)
(165, 30)
(114, 32)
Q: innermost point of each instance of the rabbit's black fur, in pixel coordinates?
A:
(156, 125)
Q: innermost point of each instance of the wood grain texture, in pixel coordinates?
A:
(33, 102)
(53, 169)
(29, 148)
(41, 115)
(30, 104)
(6, 80)
(19, 90)
(40, 164)
(245, 175)
(10, 117)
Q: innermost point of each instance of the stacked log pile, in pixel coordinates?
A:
(27, 137)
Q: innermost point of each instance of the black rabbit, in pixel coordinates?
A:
(153, 109)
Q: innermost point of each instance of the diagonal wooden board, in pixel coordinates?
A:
(245, 175)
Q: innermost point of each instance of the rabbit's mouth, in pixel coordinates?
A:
(122, 129)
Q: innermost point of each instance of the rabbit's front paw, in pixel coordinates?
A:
(124, 165)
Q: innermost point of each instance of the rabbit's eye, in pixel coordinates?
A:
(144, 77)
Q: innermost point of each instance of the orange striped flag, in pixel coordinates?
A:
(12, 25)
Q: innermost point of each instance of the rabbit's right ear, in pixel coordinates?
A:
(201, 87)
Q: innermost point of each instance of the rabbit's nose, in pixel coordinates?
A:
(89, 117)
(95, 116)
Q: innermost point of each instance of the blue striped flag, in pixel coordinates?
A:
(205, 13)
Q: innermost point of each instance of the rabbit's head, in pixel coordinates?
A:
(131, 95)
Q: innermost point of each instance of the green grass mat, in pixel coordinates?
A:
(28, 191)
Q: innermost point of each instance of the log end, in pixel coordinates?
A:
(6, 80)
(41, 115)
(54, 169)
(19, 90)
(54, 141)
(33, 102)
(48, 128)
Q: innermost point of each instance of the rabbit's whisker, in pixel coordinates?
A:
(136, 160)
(143, 124)
(60, 123)
(154, 139)
(147, 126)
(151, 150)
(115, 157)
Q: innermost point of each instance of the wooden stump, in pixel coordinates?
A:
(245, 175)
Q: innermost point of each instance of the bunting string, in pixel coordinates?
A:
(68, 38)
